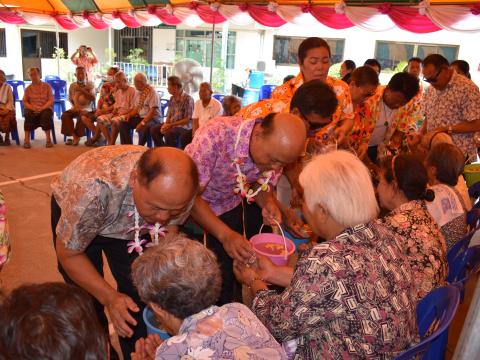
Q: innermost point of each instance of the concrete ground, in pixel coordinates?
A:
(25, 177)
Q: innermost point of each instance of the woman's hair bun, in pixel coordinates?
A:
(429, 195)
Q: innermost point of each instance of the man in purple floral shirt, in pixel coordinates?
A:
(235, 159)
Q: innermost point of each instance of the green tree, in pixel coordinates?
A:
(135, 57)
(334, 70)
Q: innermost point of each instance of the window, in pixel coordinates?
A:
(133, 38)
(197, 45)
(285, 49)
(3, 43)
(392, 54)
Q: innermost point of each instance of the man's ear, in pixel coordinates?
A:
(295, 111)
(159, 312)
(133, 178)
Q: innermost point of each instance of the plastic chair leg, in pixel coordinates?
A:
(15, 135)
(54, 138)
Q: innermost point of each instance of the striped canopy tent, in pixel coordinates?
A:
(414, 16)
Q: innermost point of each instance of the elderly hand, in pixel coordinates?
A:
(362, 151)
(140, 126)
(118, 307)
(140, 351)
(243, 273)
(271, 213)
(238, 248)
(294, 224)
(340, 135)
(165, 127)
(152, 342)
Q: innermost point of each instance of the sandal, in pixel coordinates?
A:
(48, 144)
(27, 145)
(69, 142)
(6, 142)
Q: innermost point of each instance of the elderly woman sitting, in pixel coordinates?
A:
(351, 296)
(445, 164)
(180, 281)
(403, 189)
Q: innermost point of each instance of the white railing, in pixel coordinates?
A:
(157, 75)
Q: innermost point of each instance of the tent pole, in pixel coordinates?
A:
(211, 52)
(57, 39)
(110, 46)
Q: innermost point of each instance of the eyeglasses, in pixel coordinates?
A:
(433, 79)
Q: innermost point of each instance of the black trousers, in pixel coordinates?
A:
(119, 262)
(231, 288)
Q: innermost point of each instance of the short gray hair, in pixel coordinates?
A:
(340, 183)
(179, 275)
(142, 76)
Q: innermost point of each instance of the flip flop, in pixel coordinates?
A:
(27, 145)
(48, 144)
(69, 142)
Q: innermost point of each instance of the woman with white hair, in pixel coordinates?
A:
(351, 296)
(180, 281)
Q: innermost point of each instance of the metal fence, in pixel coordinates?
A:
(157, 75)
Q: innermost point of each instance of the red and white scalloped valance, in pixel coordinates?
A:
(423, 18)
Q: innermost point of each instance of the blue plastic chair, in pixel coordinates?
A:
(463, 267)
(160, 94)
(435, 312)
(163, 107)
(51, 77)
(473, 219)
(17, 95)
(460, 247)
(54, 137)
(266, 91)
(219, 97)
(474, 190)
(59, 88)
(15, 136)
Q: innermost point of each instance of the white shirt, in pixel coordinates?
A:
(203, 114)
(383, 122)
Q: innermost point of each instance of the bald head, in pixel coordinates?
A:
(279, 141)
(167, 162)
(164, 184)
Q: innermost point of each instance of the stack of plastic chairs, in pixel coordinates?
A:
(219, 97)
(59, 88)
(266, 91)
(51, 77)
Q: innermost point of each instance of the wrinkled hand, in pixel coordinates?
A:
(294, 224)
(118, 307)
(238, 248)
(140, 126)
(140, 351)
(271, 213)
(264, 267)
(152, 342)
(165, 128)
(243, 273)
(340, 135)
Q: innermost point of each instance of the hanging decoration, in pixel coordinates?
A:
(426, 17)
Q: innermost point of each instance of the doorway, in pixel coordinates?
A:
(31, 51)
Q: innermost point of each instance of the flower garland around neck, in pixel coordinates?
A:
(155, 231)
(243, 188)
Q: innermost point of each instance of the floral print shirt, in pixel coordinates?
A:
(213, 150)
(344, 109)
(457, 103)
(262, 108)
(228, 332)
(350, 298)
(424, 244)
(95, 197)
(4, 236)
(368, 113)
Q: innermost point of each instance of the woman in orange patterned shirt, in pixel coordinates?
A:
(314, 61)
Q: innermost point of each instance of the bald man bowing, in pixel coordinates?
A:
(109, 200)
(240, 161)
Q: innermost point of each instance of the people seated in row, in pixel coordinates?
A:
(8, 121)
(38, 102)
(337, 302)
(124, 96)
(81, 95)
(144, 115)
(179, 117)
(180, 281)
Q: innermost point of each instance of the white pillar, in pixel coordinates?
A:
(109, 46)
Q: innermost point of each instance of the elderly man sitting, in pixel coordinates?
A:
(179, 116)
(124, 103)
(180, 281)
(240, 159)
(144, 115)
(81, 95)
